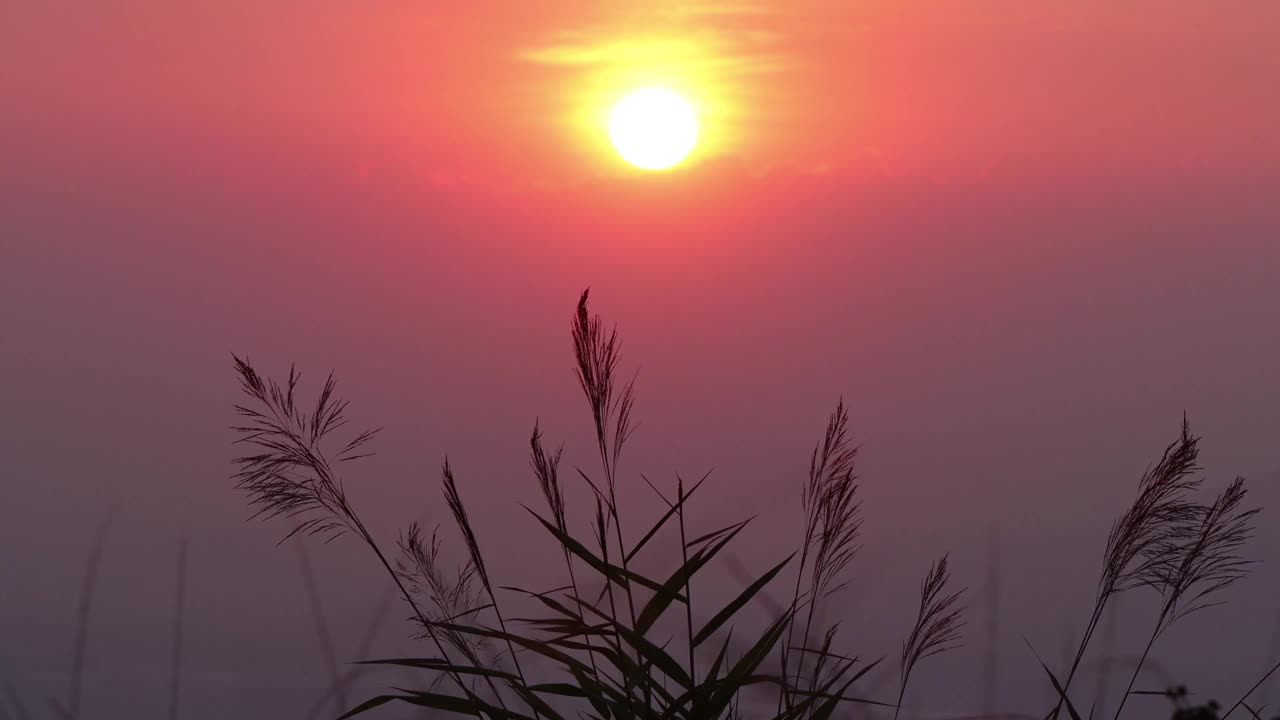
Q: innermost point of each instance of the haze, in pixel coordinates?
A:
(1020, 239)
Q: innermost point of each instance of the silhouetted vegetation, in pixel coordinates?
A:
(615, 643)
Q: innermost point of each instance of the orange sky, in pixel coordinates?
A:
(510, 94)
(1021, 237)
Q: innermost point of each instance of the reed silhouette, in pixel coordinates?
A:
(619, 644)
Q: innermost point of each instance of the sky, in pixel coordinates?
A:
(1019, 239)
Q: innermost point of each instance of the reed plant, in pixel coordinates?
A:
(613, 643)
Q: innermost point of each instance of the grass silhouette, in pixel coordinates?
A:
(603, 638)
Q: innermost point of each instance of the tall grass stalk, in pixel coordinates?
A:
(1142, 538)
(605, 641)
(88, 591)
(14, 700)
(1187, 551)
(288, 473)
(939, 620)
(321, 625)
(363, 649)
(603, 631)
(179, 625)
(991, 616)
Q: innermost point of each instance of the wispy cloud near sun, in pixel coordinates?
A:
(716, 53)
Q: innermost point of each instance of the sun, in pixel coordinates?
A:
(653, 128)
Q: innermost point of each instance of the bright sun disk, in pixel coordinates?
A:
(653, 128)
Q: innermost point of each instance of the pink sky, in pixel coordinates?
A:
(1020, 238)
(493, 93)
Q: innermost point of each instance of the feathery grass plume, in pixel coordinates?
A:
(546, 468)
(596, 355)
(834, 495)
(463, 522)
(291, 476)
(456, 601)
(1199, 563)
(451, 594)
(1209, 560)
(833, 522)
(1139, 544)
(938, 624)
(634, 673)
(1145, 539)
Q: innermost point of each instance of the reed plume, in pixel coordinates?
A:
(1200, 561)
(833, 522)
(450, 595)
(1143, 541)
(1186, 551)
(939, 620)
(463, 521)
(290, 475)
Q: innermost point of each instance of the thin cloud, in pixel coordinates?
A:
(724, 8)
(736, 52)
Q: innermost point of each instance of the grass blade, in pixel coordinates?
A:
(1057, 686)
(728, 611)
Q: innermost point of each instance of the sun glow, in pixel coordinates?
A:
(653, 128)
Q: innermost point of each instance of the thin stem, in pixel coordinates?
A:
(362, 650)
(510, 647)
(87, 588)
(688, 593)
(613, 608)
(175, 677)
(1138, 667)
(1094, 618)
(610, 481)
(11, 693)
(577, 598)
(810, 526)
(422, 618)
(609, 471)
(808, 627)
(321, 627)
(1251, 691)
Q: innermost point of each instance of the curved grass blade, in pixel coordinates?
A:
(747, 664)
(728, 611)
(447, 703)
(612, 572)
(1057, 686)
(670, 513)
(443, 666)
(1256, 685)
(669, 591)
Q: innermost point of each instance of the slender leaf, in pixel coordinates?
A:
(728, 611)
